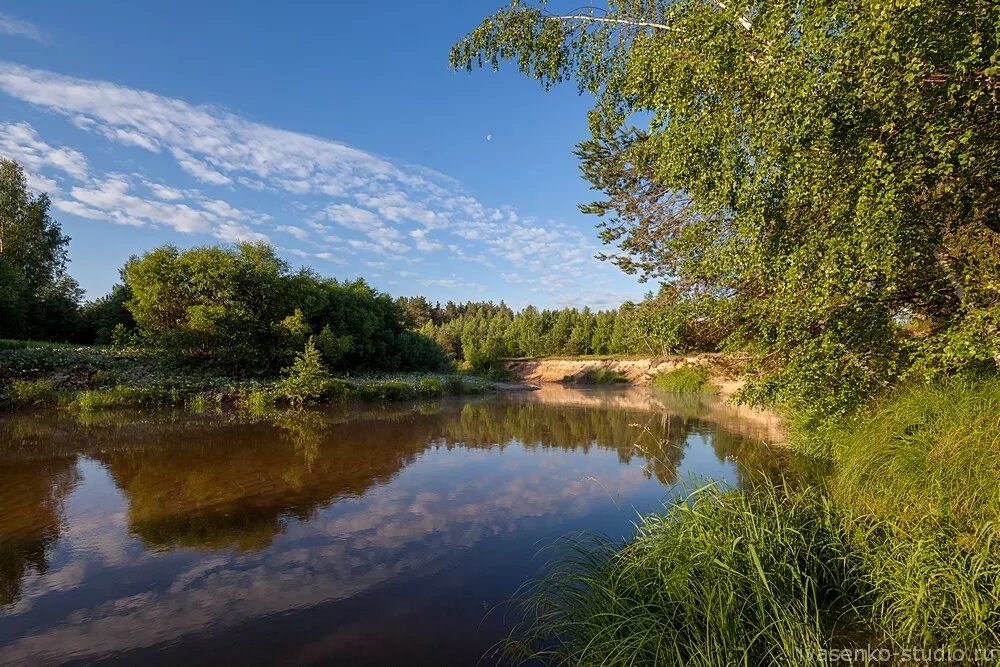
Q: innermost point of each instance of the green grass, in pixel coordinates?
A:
(30, 393)
(722, 578)
(596, 376)
(928, 451)
(121, 396)
(684, 380)
(900, 548)
(11, 344)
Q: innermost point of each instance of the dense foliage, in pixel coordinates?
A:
(826, 171)
(242, 307)
(37, 298)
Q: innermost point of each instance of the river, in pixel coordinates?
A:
(348, 535)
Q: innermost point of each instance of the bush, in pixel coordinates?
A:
(684, 380)
(596, 376)
(306, 379)
(430, 387)
(387, 390)
(30, 393)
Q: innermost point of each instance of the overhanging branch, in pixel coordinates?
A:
(603, 19)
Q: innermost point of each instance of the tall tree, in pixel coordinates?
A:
(39, 300)
(828, 169)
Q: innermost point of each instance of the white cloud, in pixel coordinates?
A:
(113, 199)
(21, 142)
(297, 232)
(15, 27)
(384, 208)
(422, 242)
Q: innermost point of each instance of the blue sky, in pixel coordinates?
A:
(333, 130)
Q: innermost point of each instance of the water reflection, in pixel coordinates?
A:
(325, 534)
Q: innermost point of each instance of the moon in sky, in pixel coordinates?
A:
(489, 137)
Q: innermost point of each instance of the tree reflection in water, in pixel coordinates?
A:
(235, 481)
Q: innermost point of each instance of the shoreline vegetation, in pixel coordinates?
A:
(890, 552)
(90, 378)
(815, 187)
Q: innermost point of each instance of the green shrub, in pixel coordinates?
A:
(31, 393)
(596, 376)
(430, 387)
(123, 338)
(104, 378)
(684, 380)
(332, 347)
(306, 379)
(338, 390)
(387, 390)
(259, 401)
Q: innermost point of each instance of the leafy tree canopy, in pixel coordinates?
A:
(241, 306)
(827, 170)
(37, 298)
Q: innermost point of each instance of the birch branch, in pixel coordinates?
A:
(602, 19)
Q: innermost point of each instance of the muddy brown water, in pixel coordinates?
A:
(351, 535)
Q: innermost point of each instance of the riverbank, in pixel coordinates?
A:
(722, 370)
(88, 378)
(897, 551)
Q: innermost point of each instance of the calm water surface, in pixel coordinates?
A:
(346, 536)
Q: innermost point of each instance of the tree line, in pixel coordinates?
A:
(247, 311)
(239, 307)
(481, 333)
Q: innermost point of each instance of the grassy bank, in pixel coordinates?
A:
(96, 378)
(899, 549)
(685, 380)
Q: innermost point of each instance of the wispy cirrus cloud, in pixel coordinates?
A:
(349, 202)
(15, 27)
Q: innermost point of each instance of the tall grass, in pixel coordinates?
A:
(30, 393)
(900, 549)
(122, 396)
(928, 451)
(920, 476)
(723, 578)
(684, 380)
